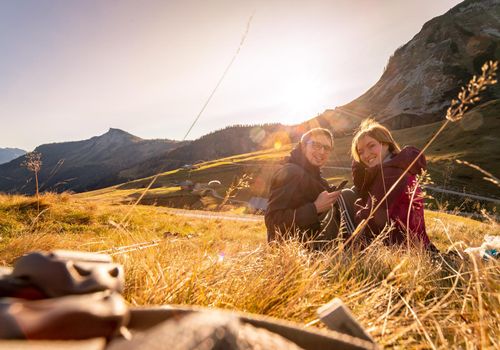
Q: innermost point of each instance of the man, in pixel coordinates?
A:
(300, 202)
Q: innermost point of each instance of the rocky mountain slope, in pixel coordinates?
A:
(423, 75)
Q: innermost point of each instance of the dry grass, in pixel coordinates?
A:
(405, 300)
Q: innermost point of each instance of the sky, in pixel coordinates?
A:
(70, 70)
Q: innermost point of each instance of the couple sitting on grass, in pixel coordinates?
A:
(302, 204)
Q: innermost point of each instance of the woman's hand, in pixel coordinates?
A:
(325, 200)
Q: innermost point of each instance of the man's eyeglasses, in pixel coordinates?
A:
(317, 146)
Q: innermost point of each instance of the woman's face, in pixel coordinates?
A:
(371, 152)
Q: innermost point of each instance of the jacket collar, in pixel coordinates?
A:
(363, 176)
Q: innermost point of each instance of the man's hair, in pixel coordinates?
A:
(375, 130)
(316, 132)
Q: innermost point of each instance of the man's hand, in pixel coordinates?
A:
(325, 200)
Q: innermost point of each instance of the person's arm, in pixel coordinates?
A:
(279, 214)
(358, 175)
(390, 175)
(383, 182)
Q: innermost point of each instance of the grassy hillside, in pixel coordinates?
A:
(475, 139)
(404, 300)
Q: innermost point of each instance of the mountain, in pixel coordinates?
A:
(7, 154)
(236, 139)
(423, 75)
(474, 139)
(83, 165)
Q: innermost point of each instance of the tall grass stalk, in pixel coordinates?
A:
(488, 176)
(239, 183)
(33, 162)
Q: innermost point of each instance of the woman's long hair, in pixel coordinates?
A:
(376, 131)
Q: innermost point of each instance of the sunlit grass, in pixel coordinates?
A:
(125, 195)
(405, 300)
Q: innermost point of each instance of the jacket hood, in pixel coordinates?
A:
(404, 158)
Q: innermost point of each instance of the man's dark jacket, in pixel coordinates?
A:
(294, 188)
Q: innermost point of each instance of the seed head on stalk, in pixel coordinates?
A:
(469, 95)
(33, 162)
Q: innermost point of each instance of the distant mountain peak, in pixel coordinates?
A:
(114, 135)
(117, 131)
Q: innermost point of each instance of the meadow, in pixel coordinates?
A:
(404, 299)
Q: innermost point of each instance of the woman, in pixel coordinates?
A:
(378, 164)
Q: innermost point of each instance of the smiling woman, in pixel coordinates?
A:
(378, 163)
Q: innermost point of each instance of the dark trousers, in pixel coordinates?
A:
(338, 222)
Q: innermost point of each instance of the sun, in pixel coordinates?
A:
(302, 99)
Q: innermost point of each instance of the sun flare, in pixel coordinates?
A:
(302, 99)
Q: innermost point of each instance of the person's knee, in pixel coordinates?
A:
(349, 195)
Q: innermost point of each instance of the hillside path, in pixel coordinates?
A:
(215, 215)
(439, 189)
(463, 194)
